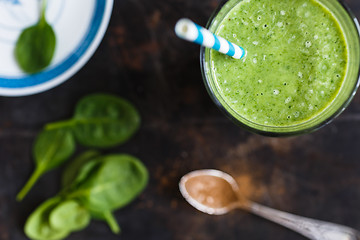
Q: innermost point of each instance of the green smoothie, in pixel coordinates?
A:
(296, 62)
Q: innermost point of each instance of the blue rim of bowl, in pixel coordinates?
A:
(31, 84)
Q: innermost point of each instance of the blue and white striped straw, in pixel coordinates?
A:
(188, 30)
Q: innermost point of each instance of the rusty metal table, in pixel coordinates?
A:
(316, 175)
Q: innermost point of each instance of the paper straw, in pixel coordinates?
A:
(188, 30)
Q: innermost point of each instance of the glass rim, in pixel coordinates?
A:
(270, 132)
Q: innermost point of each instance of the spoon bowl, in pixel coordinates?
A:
(199, 202)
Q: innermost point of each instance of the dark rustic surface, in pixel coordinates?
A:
(316, 175)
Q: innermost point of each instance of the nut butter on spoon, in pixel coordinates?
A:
(215, 192)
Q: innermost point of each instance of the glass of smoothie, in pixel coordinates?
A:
(301, 68)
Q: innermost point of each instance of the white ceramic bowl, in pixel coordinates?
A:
(79, 26)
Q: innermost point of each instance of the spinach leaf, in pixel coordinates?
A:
(69, 216)
(93, 185)
(104, 120)
(102, 185)
(37, 225)
(73, 168)
(36, 45)
(52, 148)
(113, 184)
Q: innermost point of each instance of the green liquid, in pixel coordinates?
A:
(295, 65)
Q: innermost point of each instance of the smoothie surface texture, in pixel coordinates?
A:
(295, 64)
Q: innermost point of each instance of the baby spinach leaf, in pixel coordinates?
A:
(37, 225)
(52, 148)
(69, 216)
(102, 185)
(73, 167)
(103, 120)
(113, 184)
(36, 45)
(94, 185)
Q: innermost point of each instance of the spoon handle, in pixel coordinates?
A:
(310, 228)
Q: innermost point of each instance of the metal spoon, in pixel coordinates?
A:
(215, 192)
